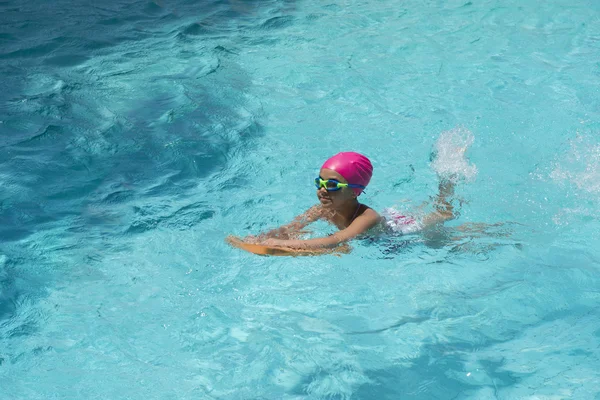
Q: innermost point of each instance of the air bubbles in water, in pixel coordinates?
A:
(449, 160)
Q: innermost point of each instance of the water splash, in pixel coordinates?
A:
(450, 161)
(580, 165)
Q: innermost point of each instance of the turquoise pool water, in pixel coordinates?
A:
(136, 136)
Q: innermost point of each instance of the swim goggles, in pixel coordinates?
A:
(331, 185)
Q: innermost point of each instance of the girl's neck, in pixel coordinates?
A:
(349, 210)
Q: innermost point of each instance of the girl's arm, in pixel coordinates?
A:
(361, 224)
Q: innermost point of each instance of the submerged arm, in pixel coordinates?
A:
(361, 224)
(294, 228)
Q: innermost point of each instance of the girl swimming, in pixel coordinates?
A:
(341, 180)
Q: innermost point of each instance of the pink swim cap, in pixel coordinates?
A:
(354, 167)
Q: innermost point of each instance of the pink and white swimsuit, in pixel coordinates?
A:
(400, 223)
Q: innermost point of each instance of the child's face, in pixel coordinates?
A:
(335, 198)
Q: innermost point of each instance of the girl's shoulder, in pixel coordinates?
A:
(367, 211)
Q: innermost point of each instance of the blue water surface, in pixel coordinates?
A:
(136, 135)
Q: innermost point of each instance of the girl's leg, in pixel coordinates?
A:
(444, 210)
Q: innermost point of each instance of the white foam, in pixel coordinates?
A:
(580, 165)
(450, 160)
